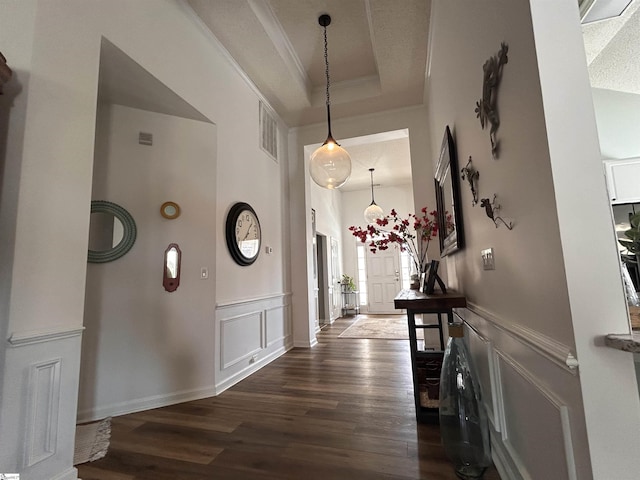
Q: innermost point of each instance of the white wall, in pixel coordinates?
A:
(618, 119)
(55, 160)
(549, 299)
(129, 318)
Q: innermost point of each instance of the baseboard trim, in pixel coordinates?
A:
(244, 373)
(141, 404)
(70, 474)
(501, 460)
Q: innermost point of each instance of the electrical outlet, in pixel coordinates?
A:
(487, 259)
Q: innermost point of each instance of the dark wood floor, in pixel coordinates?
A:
(342, 410)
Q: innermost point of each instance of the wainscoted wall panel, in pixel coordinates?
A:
(249, 334)
(275, 324)
(44, 401)
(529, 418)
(240, 338)
(482, 357)
(39, 367)
(532, 416)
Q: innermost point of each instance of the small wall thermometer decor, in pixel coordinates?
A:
(170, 210)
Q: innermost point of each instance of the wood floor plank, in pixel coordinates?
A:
(213, 423)
(341, 410)
(91, 473)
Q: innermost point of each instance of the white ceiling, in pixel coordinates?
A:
(377, 52)
(377, 59)
(613, 51)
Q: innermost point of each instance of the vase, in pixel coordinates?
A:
(463, 421)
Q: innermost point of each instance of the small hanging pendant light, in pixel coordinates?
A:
(373, 211)
(330, 165)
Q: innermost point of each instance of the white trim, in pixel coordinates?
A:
(563, 411)
(492, 410)
(312, 343)
(557, 352)
(243, 301)
(273, 29)
(266, 325)
(250, 369)
(224, 321)
(69, 474)
(502, 461)
(568, 443)
(44, 335)
(42, 418)
(199, 23)
(146, 403)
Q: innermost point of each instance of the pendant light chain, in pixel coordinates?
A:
(326, 71)
(372, 199)
(326, 64)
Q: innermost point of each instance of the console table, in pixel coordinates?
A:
(425, 364)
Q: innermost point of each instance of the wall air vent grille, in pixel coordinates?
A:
(145, 138)
(268, 132)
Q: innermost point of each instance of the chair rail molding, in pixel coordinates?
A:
(17, 339)
(557, 352)
(241, 301)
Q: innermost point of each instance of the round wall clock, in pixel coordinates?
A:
(243, 234)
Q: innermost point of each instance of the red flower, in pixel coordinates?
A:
(414, 240)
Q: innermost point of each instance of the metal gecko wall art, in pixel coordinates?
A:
(471, 175)
(487, 108)
(491, 208)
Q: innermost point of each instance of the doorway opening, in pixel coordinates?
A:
(322, 301)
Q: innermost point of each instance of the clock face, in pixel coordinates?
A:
(243, 234)
(248, 233)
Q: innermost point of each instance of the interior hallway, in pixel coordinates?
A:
(341, 410)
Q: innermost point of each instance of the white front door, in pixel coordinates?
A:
(383, 279)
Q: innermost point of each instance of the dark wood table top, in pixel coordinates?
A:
(416, 300)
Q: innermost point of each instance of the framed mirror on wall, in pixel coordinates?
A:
(450, 227)
(112, 232)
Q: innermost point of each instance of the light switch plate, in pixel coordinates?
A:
(204, 273)
(487, 259)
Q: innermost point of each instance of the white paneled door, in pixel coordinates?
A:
(383, 279)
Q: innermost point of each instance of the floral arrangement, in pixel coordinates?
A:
(348, 282)
(412, 234)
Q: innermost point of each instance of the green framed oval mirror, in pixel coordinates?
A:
(112, 232)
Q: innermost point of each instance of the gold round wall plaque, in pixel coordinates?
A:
(170, 210)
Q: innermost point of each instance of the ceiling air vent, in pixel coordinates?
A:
(145, 138)
(268, 132)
